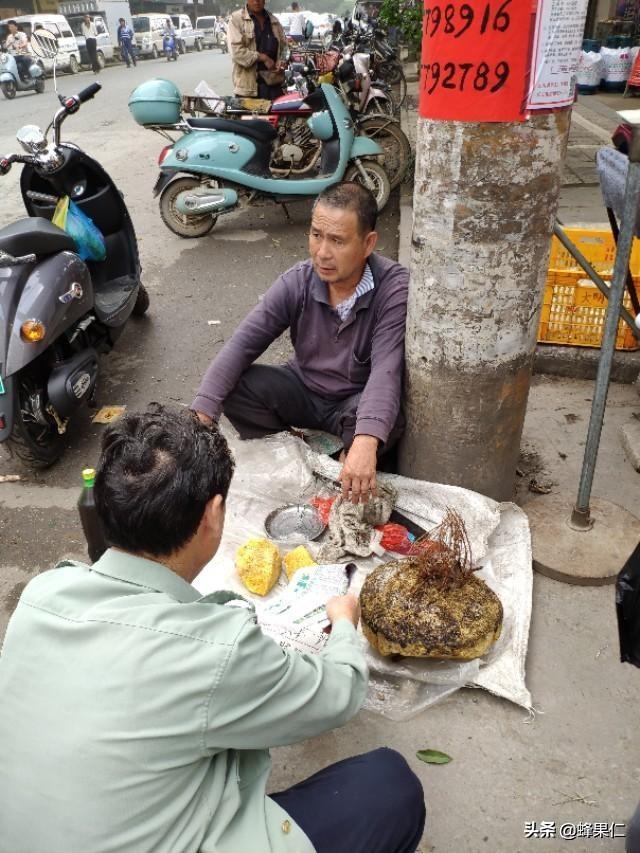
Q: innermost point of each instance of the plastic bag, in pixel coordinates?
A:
(628, 609)
(86, 235)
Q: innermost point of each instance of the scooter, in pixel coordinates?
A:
(169, 47)
(11, 81)
(218, 162)
(58, 312)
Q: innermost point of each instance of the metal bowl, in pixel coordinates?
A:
(296, 523)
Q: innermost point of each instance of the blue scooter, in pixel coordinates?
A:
(169, 47)
(11, 81)
(218, 162)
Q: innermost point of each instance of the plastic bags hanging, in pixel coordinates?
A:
(86, 235)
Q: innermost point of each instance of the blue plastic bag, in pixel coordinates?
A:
(86, 234)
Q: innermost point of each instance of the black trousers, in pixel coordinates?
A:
(270, 399)
(373, 803)
(92, 50)
(269, 93)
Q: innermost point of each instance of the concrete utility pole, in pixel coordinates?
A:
(485, 200)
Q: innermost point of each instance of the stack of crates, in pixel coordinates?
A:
(574, 309)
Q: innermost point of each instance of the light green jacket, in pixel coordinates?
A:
(136, 715)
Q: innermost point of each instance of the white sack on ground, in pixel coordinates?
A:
(280, 469)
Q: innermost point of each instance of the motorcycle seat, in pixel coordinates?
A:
(254, 128)
(34, 235)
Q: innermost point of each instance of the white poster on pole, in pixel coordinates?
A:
(556, 52)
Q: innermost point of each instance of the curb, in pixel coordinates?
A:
(569, 362)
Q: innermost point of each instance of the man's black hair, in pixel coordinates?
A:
(12, 22)
(351, 196)
(157, 471)
(295, 5)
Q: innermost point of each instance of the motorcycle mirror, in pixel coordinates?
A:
(44, 44)
(31, 138)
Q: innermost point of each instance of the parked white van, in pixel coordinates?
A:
(187, 37)
(68, 58)
(148, 31)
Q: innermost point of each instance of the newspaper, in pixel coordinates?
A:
(297, 618)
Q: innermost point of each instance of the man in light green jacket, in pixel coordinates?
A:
(136, 716)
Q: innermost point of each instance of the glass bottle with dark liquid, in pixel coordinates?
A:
(91, 524)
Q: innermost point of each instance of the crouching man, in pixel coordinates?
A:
(345, 309)
(137, 715)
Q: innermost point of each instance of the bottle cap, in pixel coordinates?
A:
(89, 475)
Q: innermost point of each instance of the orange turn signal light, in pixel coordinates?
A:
(32, 331)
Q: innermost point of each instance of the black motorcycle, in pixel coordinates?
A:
(57, 311)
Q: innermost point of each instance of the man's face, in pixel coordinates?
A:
(255, 6)
(13, 29)
(337, 246)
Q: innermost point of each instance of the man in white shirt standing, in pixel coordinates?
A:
(296, 25)
(91, 42)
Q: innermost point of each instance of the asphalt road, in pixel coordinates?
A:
(161, 357)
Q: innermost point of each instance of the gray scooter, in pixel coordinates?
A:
(11, 81)
(57, 311)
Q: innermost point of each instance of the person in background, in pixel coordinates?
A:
(297, 22)
(257, 43)
(137, 715)
(91, 41)
(17, 44)
(126, 40)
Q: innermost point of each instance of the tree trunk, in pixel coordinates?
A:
(485, 200)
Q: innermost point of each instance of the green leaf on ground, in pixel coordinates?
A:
(433, 756)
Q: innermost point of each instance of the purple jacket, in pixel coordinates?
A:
(365, 353)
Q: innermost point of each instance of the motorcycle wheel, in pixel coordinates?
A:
(379, 106)
(9, 90)
(393, 74)
(36, 444)
(198, 45)
(40, 85)
(393, 141)
(376, 180)
(101, 60)
(183, 226)
(154, 52)
(142, 302)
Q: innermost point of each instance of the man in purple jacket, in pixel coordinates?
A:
(345, 308)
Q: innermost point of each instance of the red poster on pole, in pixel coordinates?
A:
(476, 59)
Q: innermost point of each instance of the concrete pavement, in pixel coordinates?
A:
(575, 760)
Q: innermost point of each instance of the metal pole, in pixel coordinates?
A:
(581, 516)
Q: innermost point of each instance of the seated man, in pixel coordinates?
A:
(17, 43)
(137, 716)
(346, 309)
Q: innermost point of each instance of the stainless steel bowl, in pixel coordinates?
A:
(296, 523)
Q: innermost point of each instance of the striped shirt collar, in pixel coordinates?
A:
(365, 284)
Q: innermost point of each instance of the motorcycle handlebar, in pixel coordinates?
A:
(88, 93)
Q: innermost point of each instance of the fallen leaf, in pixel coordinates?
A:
(108, 414)
(213, 322)
(10, 478)
(433, 756)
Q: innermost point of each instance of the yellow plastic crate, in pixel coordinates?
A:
(573, 309)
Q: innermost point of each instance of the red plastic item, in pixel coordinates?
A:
(395, 537)
(323, 505)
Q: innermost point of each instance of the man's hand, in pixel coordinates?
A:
(344, 607)
(358, 475)
(205, 419)
(266, 61)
